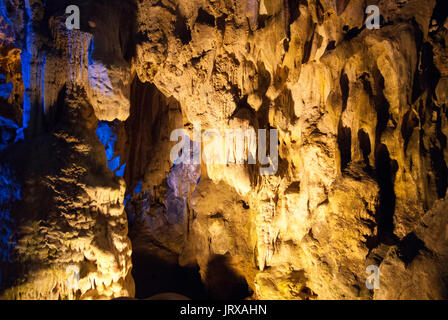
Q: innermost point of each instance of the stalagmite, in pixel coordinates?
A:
(246, 149)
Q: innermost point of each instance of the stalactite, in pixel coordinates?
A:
(252, 9)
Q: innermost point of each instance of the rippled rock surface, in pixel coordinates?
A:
(92, 207)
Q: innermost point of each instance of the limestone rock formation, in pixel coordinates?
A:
(88, 187)
(64, 229)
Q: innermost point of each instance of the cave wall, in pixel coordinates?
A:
(64, 229)
(362, 122)
(361, 119)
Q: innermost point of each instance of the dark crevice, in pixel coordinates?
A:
(410, 122)
(440, 171)
(264, 79)
(153, 275)
(307, 52)
(244, 205)
(144, 113)
(409, 248)
(345, 145)
(294, 13)
(341, 5)
(384, 22)
(440, 11)
(128, 31)
(381, 104)
(221, 23)
(181, 29)
(293, 188)
(196, 60)
(55, 115)
(286, 45)
(352, 33)
(205, 18)
(427, 76)
(417, 87)
(344, 139)
(386, 169)
(223, 282)
(345, 90)
(320, 12)
(308, 47)
(331, 46)
(242, 109)
(217, 215)
(365, 145)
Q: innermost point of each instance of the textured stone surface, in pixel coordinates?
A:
(362, 122)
